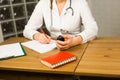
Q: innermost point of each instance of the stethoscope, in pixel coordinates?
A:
(70, 8)
(67, 9)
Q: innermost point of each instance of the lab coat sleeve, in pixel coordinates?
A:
(35, 21)
(90, 26)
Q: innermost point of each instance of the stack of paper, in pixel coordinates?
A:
(11, 50)
(41, 48)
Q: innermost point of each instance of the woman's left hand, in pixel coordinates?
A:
(62, 45)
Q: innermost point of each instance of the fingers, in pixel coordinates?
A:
(42, 38)
(62, 45)
(66, 36)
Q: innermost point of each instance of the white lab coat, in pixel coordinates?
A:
(64, 21)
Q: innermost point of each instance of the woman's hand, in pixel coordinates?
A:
(62, 45)
(69, 42)
(42, 38)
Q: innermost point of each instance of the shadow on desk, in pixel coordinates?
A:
(21, 75)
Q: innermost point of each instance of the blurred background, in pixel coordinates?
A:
(14, 14)
(107, 15)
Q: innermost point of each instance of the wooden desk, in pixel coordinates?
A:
(101, 58)
(31, 62)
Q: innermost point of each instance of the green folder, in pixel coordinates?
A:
(11, 50)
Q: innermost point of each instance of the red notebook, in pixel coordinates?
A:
(58, 59)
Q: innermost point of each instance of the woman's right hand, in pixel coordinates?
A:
(42, 38)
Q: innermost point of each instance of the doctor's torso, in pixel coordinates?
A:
(65, 20)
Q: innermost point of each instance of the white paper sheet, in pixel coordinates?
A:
(41, 48)
(11, 50)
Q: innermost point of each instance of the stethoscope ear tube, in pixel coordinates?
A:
(51, 7)
(51, 1)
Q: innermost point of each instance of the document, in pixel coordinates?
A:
(11, 50)
(39, 47)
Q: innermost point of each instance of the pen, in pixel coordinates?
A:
(42, 31)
